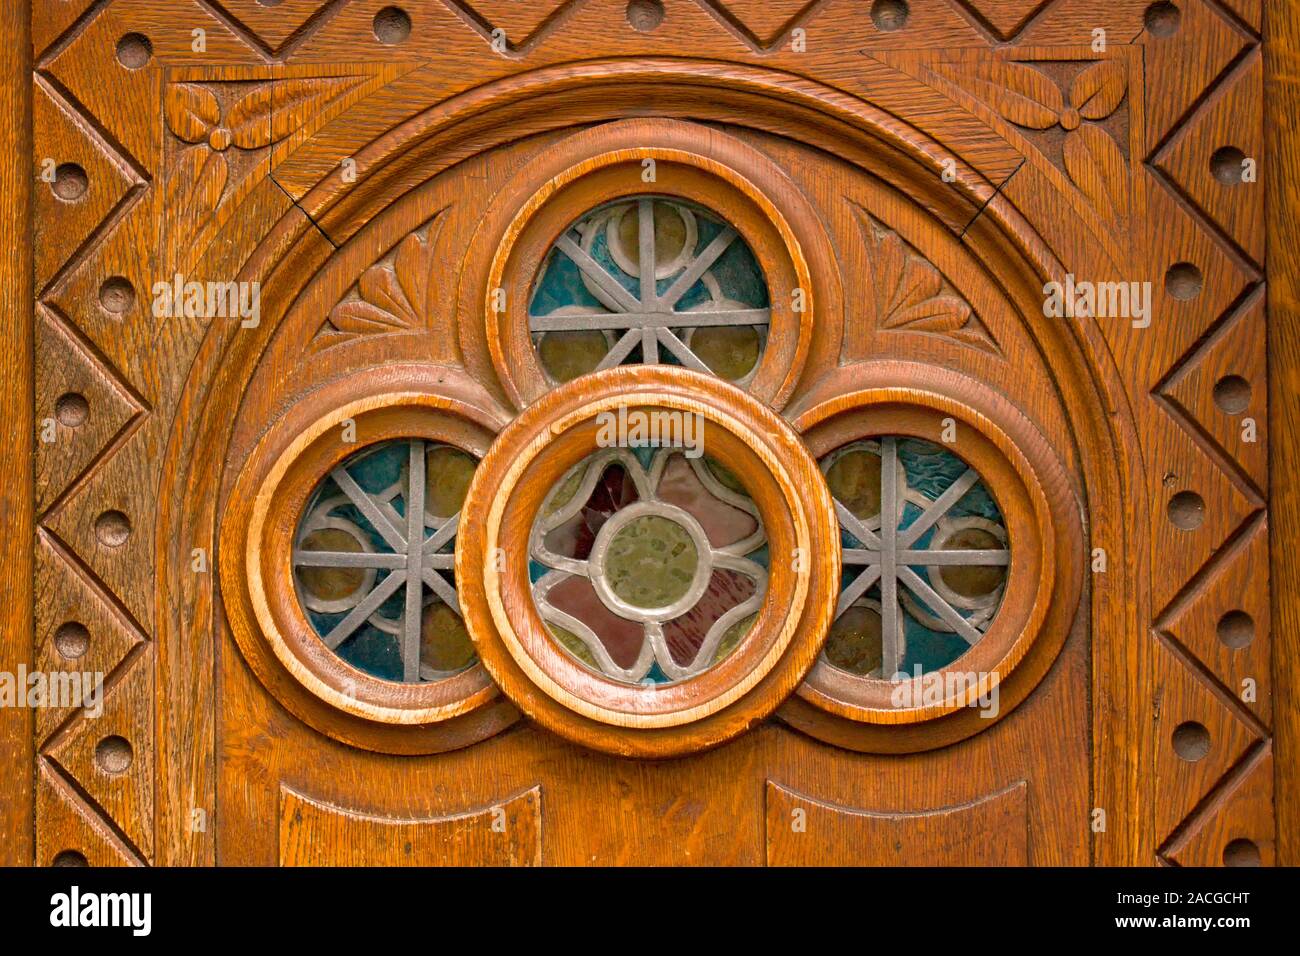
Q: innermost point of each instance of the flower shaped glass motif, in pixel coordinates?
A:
(648, 566)
(650, 280)
(925, 557)
(374, 558)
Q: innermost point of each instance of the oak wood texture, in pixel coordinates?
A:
(505, 834)
(1040, 512)
(257, 541)
(506, 495)
(990, 831)
(1282, 68)
(934, 177)
(17, 502)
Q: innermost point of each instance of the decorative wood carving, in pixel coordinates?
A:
(402, 292)
(911, 295)
(508, 833)
(991, 831)
(962, 161)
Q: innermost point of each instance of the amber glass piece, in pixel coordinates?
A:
(331, 584)
(854, 643)
(854, 480)
(447, 473)
(730, 351)
(670, 233)
(568, 354)
(973, 581)
(445, 644)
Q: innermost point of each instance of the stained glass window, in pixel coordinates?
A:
(652, 279)
(648, 566)
(374, 560)
(925, 557)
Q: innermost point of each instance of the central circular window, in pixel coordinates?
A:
(652, 279)
(647, 568)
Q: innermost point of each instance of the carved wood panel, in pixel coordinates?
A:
(940, 162)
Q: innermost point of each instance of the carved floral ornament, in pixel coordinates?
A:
(648, 558)
(1088, 108)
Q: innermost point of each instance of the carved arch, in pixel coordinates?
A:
(288, 255)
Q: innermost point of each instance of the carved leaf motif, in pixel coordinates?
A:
(195, 185)
(908, 294)
(269, 113)
(249, 118)
(1023, 95)
(191, 111)
(1098, 90)
(1097, 167)
(907, 291)
(397, 297)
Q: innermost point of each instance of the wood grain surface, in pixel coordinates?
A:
(925, 174)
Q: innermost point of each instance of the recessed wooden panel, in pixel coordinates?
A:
(319, 834)
(991, 831)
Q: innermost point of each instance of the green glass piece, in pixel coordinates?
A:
(574, 645)
(731, 639)
(726, 477)
(650, 562)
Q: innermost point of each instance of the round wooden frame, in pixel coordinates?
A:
(256, 540)
(1045, 578)
(604, 164)
(556, 690)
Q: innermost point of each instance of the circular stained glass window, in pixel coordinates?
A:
(374, 560)
(654, 280)
(925, 557)
(648, 565)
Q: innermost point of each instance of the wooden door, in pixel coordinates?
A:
(697, 431)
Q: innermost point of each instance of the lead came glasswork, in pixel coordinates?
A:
(374, 559)
(921, 586)
(654, 279)
(647, 567)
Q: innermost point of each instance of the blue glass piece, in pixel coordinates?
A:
(656, 675)
(373, 651)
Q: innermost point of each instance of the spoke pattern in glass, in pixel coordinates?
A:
(374, 560)
(650, 280)
(648, 566)
(921, 586)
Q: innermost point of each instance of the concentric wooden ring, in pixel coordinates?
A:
(531, 455)
(1045, 577)
(255, 561)
(597, 166)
